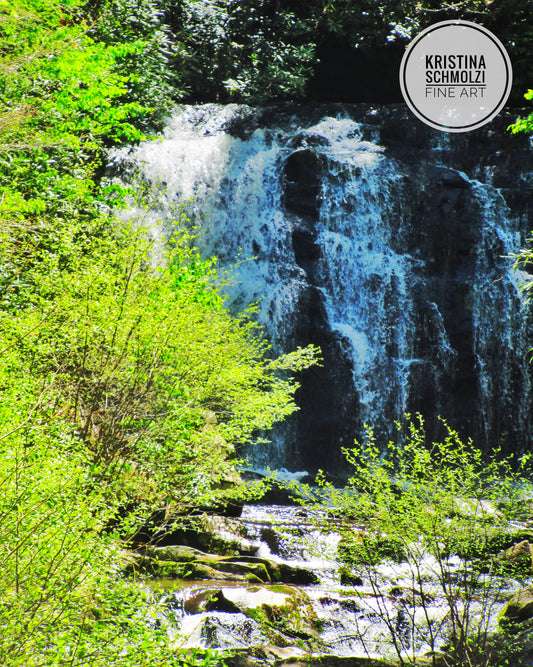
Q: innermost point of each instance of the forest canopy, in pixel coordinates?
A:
(256, 51)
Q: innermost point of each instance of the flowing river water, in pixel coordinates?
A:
(381, 610)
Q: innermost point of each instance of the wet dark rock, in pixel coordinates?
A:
(449, 178)
(302, 182)
(271, 538)
(350, 578)
(279, 495)
(198, 600)
(410, 596)
(219, 602)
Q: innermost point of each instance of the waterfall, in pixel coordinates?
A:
(381, 240)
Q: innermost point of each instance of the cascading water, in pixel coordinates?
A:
(378, 239)
(374, 611)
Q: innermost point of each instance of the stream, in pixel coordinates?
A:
(373, 612)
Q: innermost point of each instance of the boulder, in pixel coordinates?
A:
(519, 608)
(214, 534)
(294, 617)
(181, 562)
(280, 616)
(518, 559)
(281, 572)
(215, 528)
(349, 578)
(177, 553)
(191, 570)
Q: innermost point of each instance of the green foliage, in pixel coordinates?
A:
(155, 51)
(145, 49)
(421, 503)
(523, 260)
(64, 80)
(121, 384)
(242, 51)
(63, 100)
(524, 124)
(152, 366)
(125, 385)
(62, 600)
(259, 51)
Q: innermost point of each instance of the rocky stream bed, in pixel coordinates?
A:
(270, 588)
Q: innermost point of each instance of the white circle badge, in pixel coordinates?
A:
(456, 76)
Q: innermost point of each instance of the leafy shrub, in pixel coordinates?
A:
(123, 385)
(430, 504)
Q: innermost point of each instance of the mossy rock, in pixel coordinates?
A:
(284, 614)
(286, 619)
(281, 572)
(366, 549)
(518, 609)
(178, 554)
(191, 570)
(258, 569)
(517, 560)
(503, 552)
(179, 562)
(221, 535)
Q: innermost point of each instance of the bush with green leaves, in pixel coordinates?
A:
(62, 598)
(125, 385)
(524, 124)
(258, 51)
(145, 50)
(241, 51)
(157, 375)
(438, 511)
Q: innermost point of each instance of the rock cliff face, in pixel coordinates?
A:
(377, 238)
